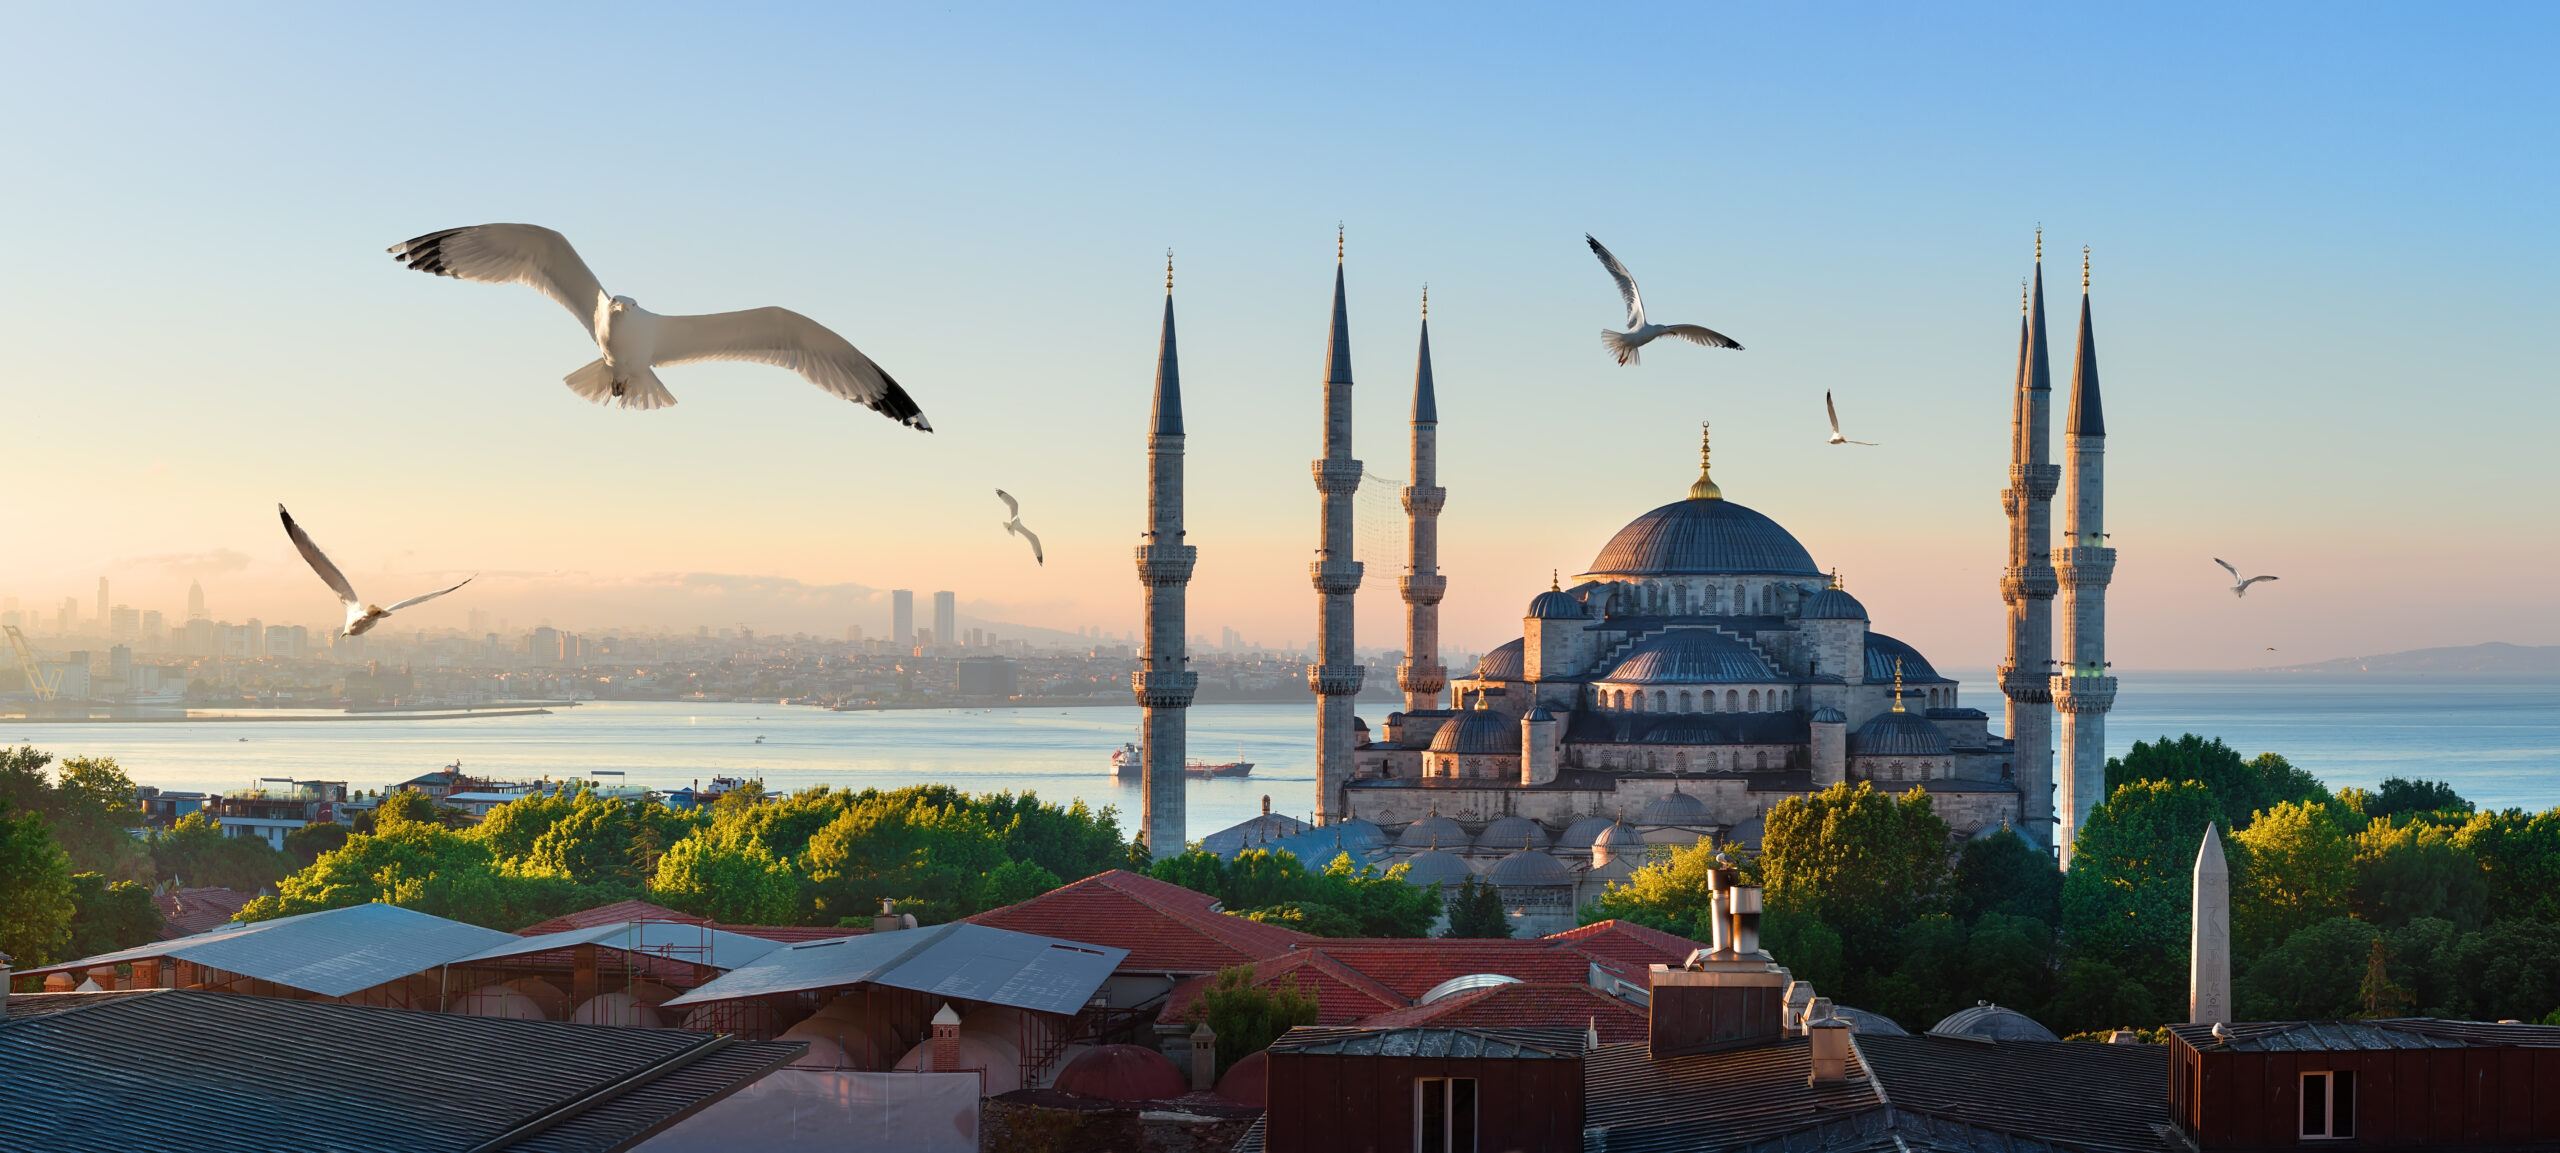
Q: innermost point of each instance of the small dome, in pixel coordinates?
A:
(1833, 604)
(1746, 832)
(1866, 1024)
(1122, 1073)
(1618, 836)
(1555, 604)
(1436, 867)
(1580, 834)
(1530, 868)
(1433, 832)
(1894, 734)
(1359, 724)
(1675, 808)
(1359, 833)
(1479, 731)
(1507, 662)
(1994, 1023)
(1826, 715)
(1511, 834)
(1467, 983)
(1248, 1081)
(1698, 536)
(1689, 656)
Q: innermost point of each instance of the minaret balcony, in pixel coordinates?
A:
(2084, 565)
(1336, 477)
(1164, 690)
(1336, 577)
(1414, 678)
(2026, 686)
(1422, 590)
(2040, 481)
(2078, 692)
(1166, 564)
(1422, 501)
(1336, 680)
(2034, 582)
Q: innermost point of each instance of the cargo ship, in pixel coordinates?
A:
(1129, 761)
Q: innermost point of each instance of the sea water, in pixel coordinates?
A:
(2497, 741)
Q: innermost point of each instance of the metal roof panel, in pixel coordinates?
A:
(970, 962)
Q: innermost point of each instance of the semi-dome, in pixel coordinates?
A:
(1436, 867)
(1508, 834)
(1433, 832)
(1122, 1073)
(1674, 808)
(1556, 604)
(1529, 868)
(1898, 735)
(1507, 662)
(1478, 731)
(1882, 653)
(1832, 604)
(1992, 1022)
(1702, 537)
(1826, 715)
(1580, 834)
(1691, 656)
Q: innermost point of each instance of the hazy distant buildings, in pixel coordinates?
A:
(946, 618)
(195, 600)
(154, 627)
(542, 648)
(987, 677)
(902, 617)
(124, 625)
(102, 601)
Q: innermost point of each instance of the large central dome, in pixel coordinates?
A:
(1702, 536)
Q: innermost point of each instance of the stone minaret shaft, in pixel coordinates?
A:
(2028, 584)
(2082, 689)
(1164, 681)
(1422, 676)
(1336, 675)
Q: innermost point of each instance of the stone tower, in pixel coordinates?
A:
(2082, 689)
(2028, 584)
(1335, 676)
(1422, 676)
(2209, 935)
(1164, 681)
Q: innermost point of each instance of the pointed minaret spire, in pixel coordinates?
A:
(2086, 417)
(2082, 689)
(1337, 674)
(1168, 413)
(1164, 682)
(2027, 585)
(1422, 676)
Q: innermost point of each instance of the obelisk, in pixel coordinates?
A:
(2209, 937)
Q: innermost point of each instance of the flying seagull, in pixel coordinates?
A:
(360, 616)
(1639, 333)
(2241, 589)
(1013, 508)
(635, 340)
(1836, 438)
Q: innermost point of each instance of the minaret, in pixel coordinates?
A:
(2028, 584)
(1421, 676)
(2209, 936)
(1164, 681)
(1336, 675)
(2082, 689)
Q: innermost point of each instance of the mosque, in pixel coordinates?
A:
(1702, 669)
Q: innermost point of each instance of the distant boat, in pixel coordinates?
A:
(1229, 769)
(1130, 761)
(1126, 760)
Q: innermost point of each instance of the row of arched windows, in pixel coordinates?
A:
(1895, 770)
(1655, 598)
(1684, 701)
(1706, 760)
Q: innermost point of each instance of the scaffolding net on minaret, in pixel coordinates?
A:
(1377, 523)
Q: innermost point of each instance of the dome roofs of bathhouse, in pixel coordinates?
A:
(1691, 656)
(1436, 867)
(1530, 867)
(1897, 735)
(1991, 1022)
(1507, 662)
(1883, 651)
(1674, 808)
(1867, 1024)
(1832, 604)
(1433, 832)
(1747, 832)
(1702, 537)
(1479, 731)
(1511, 834)
(1359, 833)
(1826, 715)
(1619, 837)
(1122, 1073)
(1578, 836)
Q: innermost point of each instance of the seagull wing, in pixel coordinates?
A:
(786, 339)
(1696, 334)
(423, 598)
(509, 254)
(1833, 409)
(1037, 557)
(319, 561)
(1012, 507)
(2226, 567)
(1626, 283)
(2254, 580)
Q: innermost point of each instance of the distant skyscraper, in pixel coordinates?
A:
(257, 642)
(902, 617)
(153, 626)
(102, 603)
(946, 619)
(124, 625)
(544, 649)
(195, 600)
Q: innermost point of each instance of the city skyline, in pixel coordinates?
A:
(2306, 323)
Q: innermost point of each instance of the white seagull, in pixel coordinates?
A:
(634, 340)
(360, 616)
(1836, 438)
(1639, 333)
(2241, 589)
(1013, 508)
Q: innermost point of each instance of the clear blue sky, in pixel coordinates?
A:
(2323, 240)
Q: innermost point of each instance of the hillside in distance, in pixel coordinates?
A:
(2493, 658)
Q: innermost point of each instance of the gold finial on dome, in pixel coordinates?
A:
(1555, 580)
(1337, 242)
(1426, 300)
(2022, 296)
(1835, 577)
(1706, 488)
(2084, 270)
(1168, 272)
(1897, 684)
(2039, 244)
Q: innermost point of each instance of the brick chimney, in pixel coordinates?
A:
(1723, 997)
(1204, 1058)
(946, 1040)
(887, 919)
(1830, 1051)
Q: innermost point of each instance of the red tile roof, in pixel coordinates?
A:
(188, 912)
(789, 934)
(1166, 928)
(1411, 966)
(1342, 994)
(1626, 947)
(613, 914)
(1526, 1006)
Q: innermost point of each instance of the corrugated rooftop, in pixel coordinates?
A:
(960, 960)
(331, 953)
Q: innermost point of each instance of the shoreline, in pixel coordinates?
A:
(186, 720)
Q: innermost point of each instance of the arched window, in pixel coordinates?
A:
(1684, 701)
(1924, 770)
(1680, 599)
(1712, 760)
(1786, 698)
(1759, 758)
(1661, 701)
(1732, 701)
(1680, 762)
(1897, 770)
(1754, 700)
(1707, 701)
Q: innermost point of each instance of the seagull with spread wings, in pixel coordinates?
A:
(1013, 508)
(2241, 589)
(1639, 333)
(634, 340)
(360, 615)
(1836, 438)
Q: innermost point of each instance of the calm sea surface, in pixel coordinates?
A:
(2498, 742)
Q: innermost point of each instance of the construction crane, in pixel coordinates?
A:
(44, 685)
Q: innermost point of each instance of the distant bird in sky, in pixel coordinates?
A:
(360, 616)
(1013, 508)
(1834, 409)
(2241, 589)
(1639, 333)
(635, 340)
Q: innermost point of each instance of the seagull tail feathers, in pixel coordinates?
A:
(640, 390)
(1621, 347)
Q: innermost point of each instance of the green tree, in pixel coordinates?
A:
(2416, 869)
(1855, 857)
(2519, 855)
(1380, 903)
(2302, 872)
(306, 844)
(734, 884)
(89, 804)
(1247, 1018)
(110, 915)
(2313, 974)
(910, 849)
(1016, 881)
(2381, 997)
(35, 889)
(600, 840)
(2240, 788)
(409, 806)
(2399, 795)
(194, 851)
(2004, 874)
(2091, 994)
(2125, 900)
(1674, 896)
(1197, 869)
(1309, 917)
(1476, 911)
(414, 864)
(2507, 971)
